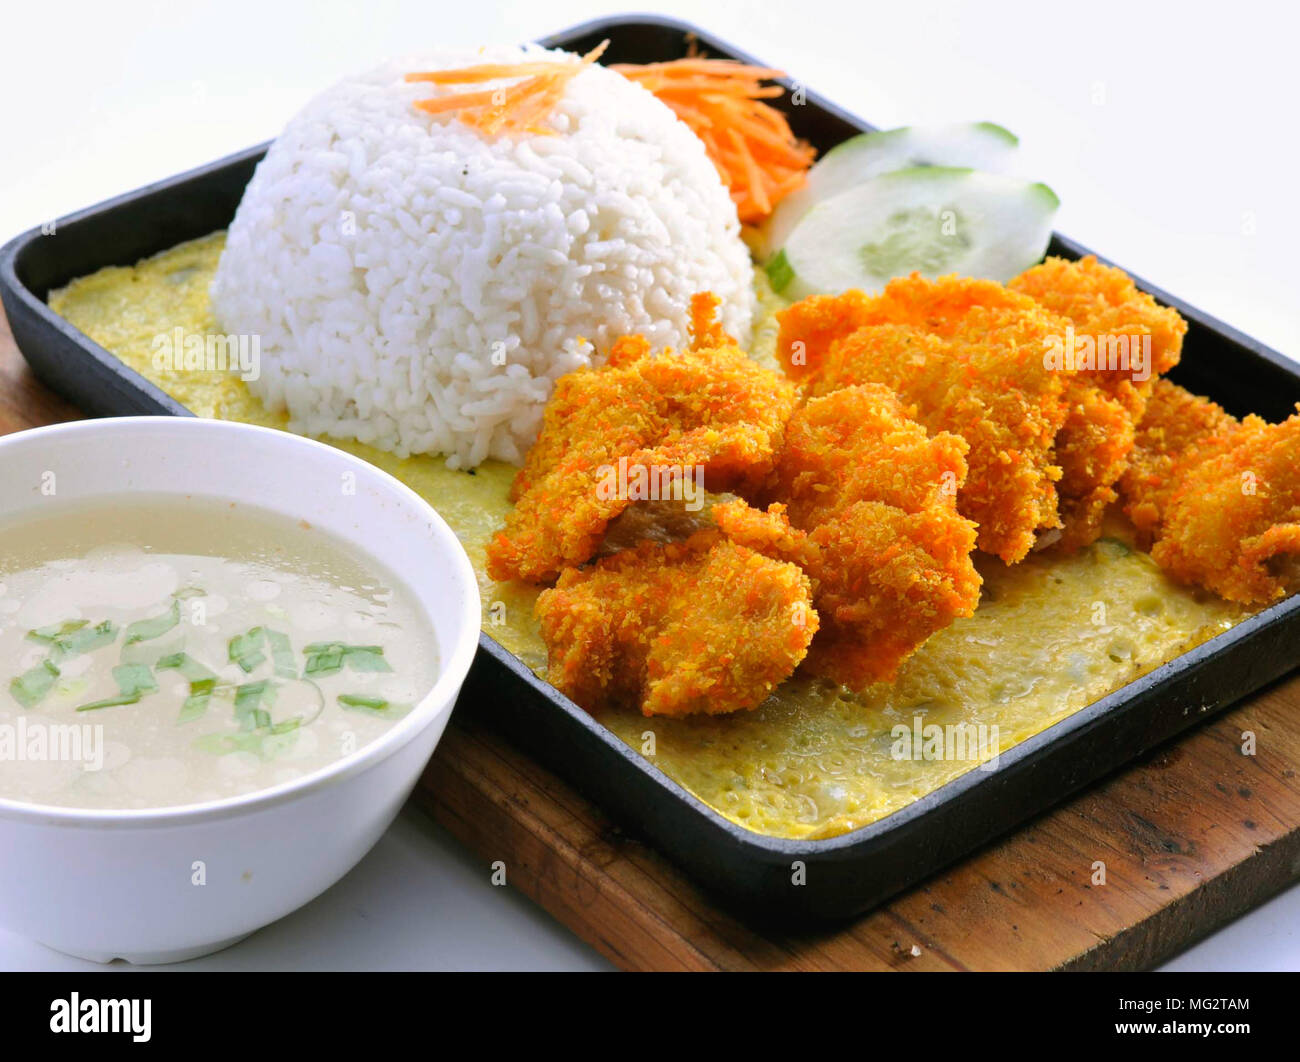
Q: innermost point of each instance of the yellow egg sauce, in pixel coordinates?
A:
(1051, 635)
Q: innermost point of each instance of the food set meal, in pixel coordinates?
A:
(762, 457)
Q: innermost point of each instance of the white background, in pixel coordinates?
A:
(1169, 132)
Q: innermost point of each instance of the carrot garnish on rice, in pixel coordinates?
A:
(750, 142)
(521, 107)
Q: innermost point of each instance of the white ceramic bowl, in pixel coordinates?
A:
(105, 884)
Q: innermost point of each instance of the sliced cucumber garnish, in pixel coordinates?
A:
(978, 145)
(929, 219)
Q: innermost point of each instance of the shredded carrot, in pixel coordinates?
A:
(521, 107)
(750, 142)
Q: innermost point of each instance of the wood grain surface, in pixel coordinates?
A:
(1190, 837)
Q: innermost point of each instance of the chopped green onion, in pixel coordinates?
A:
(144, 630)
(223, 744)
(280, 738)
(367, 658)
(197, 702)
(282, 654)
(265, 744)
(245, 649)
(29, 687)
(248, 704)
(357, 702)
(56, 630)
(202, 683)
(87, 639)
(72, 637)
(326, 658)
(73, 687)
(111, 702)
(186, 665)
(134, 678)
(323, 658)
(133, 682)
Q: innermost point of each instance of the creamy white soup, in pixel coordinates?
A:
(158, 652)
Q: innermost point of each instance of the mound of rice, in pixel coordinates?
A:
(419, 287)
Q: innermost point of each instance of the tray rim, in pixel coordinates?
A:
(769, 846)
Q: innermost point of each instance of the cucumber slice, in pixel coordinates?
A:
(979, 145)
(929, 219)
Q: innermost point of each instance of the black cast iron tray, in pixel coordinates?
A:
(753, 873)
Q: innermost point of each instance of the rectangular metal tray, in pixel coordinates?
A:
(752, 873)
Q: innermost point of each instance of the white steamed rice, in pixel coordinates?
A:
(419, 287)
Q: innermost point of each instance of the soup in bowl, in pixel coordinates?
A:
(226, 654)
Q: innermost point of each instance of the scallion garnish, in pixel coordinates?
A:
(197, 702)
(72, 637)
(245, 649)
(186, 665)
(367, 658)
(110, 702)
(248, 704)
(357, 702)
(29, 687)
(146, 629)
(135, 678)
(56, 630)
(281, 654)
(133, 682)
(202, 683)
(88, 638)
(265, 743)
(326, 658)
(323, 658)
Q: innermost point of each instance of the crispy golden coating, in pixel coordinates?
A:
(869, 512)
(708, 406)
(967, 355)
(1107, 400)
(1178, 429)
(1100, 300)
(703, 625)
(1092, 449)
(1048, 443)
(1219, 497)
(860, 444)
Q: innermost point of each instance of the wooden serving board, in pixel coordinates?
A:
(1192, 836)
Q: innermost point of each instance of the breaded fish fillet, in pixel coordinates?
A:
(1131, 340)
(1048, 442)
(1178, 430)
(1220, 498)
(1100, 300)
(703, 625)
(708, 407)
(869, 511)
(968, 356)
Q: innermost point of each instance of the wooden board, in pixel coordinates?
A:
(1190, 837)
